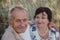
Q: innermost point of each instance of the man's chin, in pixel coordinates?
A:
(21, 32)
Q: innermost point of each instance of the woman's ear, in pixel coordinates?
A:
(49, 25)
(52, 25)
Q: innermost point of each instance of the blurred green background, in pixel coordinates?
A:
(30, 6)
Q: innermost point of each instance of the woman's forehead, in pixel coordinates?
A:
(42, 13)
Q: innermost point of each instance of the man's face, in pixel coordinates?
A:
(19, 20)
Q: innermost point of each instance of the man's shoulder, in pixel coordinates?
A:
(7, 35)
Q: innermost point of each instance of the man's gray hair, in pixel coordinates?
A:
(11, 10)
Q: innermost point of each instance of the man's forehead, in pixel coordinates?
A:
(18, 10)
(20, 13)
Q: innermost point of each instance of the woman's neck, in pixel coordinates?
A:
(43, 32)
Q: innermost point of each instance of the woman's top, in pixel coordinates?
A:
(53, 34)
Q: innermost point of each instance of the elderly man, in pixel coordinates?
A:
(18, 25)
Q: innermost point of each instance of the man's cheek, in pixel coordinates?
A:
(26, 24)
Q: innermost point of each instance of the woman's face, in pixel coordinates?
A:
(42, 20)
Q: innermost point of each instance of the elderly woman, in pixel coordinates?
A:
(41, 30)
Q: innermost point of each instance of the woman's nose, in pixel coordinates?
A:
(40, 20)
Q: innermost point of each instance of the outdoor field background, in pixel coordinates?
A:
(30, 6)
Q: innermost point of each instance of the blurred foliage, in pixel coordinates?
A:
(0, 0)
(30, 6)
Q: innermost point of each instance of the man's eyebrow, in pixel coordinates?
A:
(22, 19)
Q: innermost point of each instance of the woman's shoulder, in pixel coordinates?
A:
(55, 32)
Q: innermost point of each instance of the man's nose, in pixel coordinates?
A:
(22, 23)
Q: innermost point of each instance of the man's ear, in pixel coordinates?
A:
(10, 21)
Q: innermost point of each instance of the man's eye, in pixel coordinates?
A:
(17, 20)
(24, 20)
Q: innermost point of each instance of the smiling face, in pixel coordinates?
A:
(19, 20)
(42, 20)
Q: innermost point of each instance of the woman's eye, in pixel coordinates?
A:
(43, 17)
